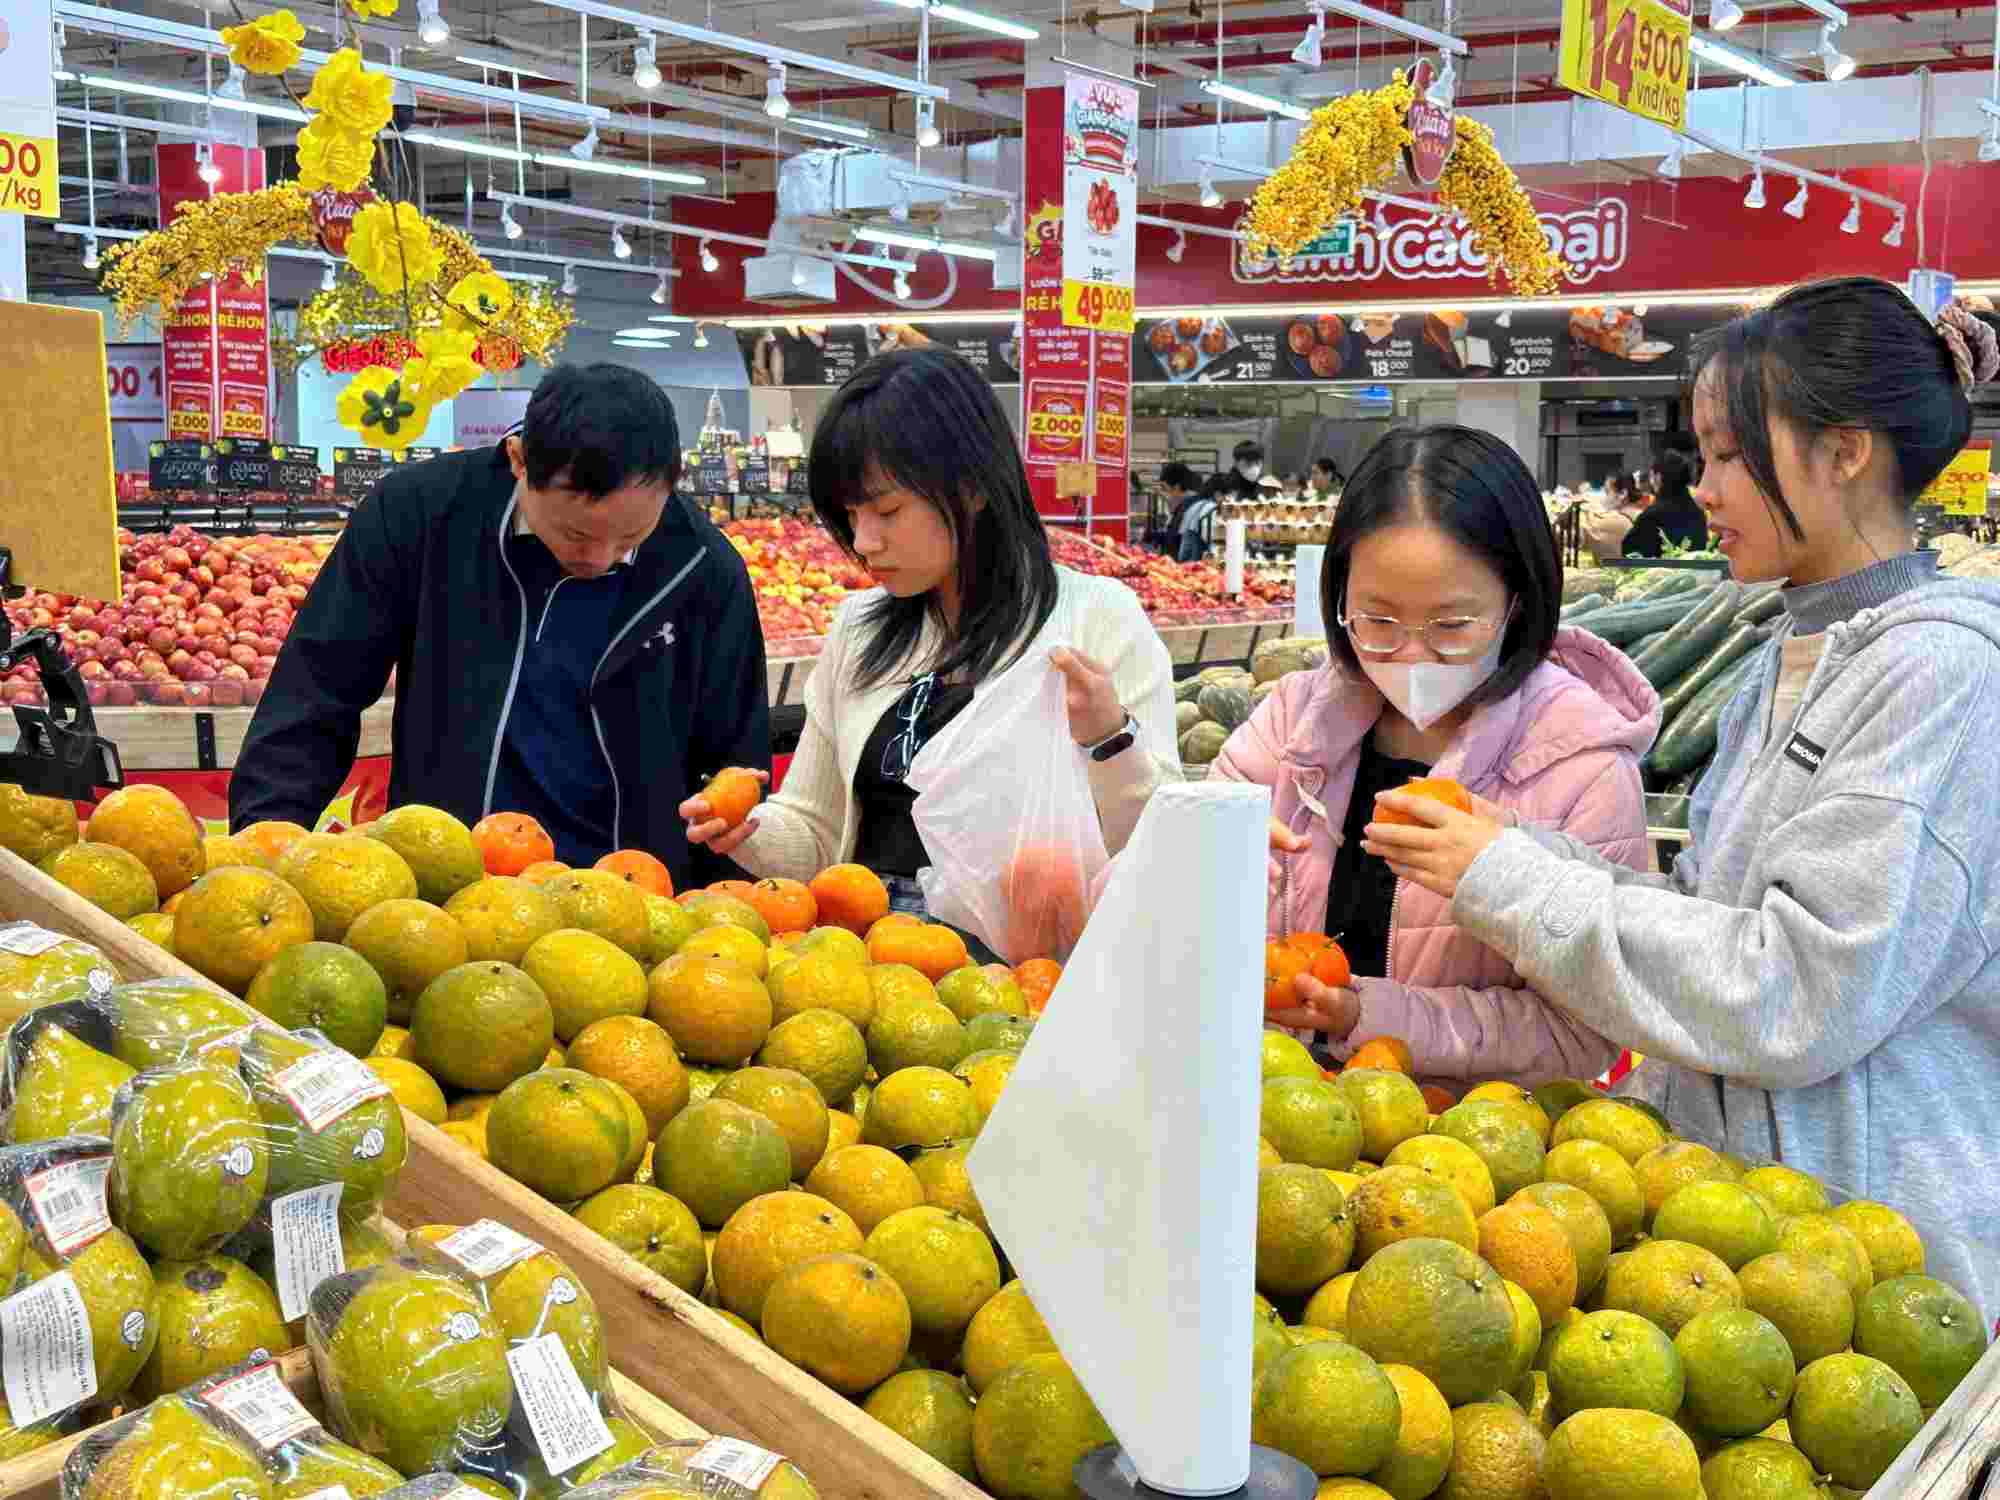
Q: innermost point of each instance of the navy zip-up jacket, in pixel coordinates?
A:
(419, 582)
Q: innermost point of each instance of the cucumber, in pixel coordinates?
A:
(1698, 633)
(1623, 624)
(1644, 644)
(1737, 644)
(1674, 581)
(1691, 738)
(1764, 602)
(1582, 606)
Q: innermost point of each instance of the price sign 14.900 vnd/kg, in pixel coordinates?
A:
(1629, 53)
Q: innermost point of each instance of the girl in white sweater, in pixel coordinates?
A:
(915, 470)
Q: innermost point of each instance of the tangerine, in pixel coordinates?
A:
(1037, 979)
(1329, 967)
(1308, 942)
(731, 793)
(850, 896)
(1381, 1051)
(786, 905)
(542, 871)
(641, 869)
(930, 949)
(154, 824)
(235, 921)
(1282, 966)
(510, 842)
(272, 838)
(1046, 903)
(1437, 788)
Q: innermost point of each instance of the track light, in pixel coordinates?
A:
(1852, 223)
(776, 105)
(1210, 198)
(798, 273)
(902, 285)
(1640, 309)
(1676, 158)
(1444, 87)
(1838, 64)
(326, 278)
(509, 226)
(231, 86)
(1005, 228)
(660, 291)
(1382, 220)
(1179, 247)
(586, 148)
(1308, 50)
(1755, 197)
(708, 261)
(620, 246)
(1724, 15)
(208, 171)
(645, 62)
(90, 252)
(1894, 238)
(1989, 149)
(569, 281)
(700, 336)
(1796, 209)
(432, 28)
(928, 134)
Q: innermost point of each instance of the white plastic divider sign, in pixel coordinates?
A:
(1310, 562)
(1235, 548)
(1122, 1180)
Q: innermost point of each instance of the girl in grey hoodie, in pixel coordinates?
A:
(1818, 980)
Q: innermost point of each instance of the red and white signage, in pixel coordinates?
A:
(217, 340)
(132, 379)
(1432, 133)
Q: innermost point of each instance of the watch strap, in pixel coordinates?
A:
(1123, 739)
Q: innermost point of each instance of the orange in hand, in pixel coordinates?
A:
(1308, 942)
(639, 868)
(785, 905)
(850, 896)
(731, 794)
(1037, 979)
(1384, 1052)
(1283, 964)
(1329, 966)
(1437, 788)
(510, 842)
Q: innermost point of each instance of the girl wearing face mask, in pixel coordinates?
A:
(916, 471)
(1442, 581)
(1818, 980)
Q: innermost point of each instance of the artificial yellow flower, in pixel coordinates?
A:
(477, 300)
(332, 156)
(267, 45)
(372, 7)
(444, 366)
(391, 245)
(349, 95)
(379, 405)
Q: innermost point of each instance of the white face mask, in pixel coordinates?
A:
(1425, 691)
(1250, 471)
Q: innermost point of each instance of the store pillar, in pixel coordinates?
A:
(1511, 411)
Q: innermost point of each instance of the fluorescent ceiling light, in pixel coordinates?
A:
(1443, 41)
(643, 331)
(504, 66)
(570, 163)
(465, 146)
(1254, 100)
(1749, 64)
(910, 241)
(185, 96)
(964, 17)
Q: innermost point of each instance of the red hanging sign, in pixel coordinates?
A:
(216, 342)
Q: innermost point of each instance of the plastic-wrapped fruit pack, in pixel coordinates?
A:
(240, 1434)
(39, 967)
(189, 1157)
(477, 1352)
(709, 1468)
(330, 1119)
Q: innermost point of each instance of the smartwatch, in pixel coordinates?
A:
(1126, 736)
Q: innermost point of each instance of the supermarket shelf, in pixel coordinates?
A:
(173, 739)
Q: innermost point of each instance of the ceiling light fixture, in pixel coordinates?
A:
(620, 246)
(90, 252)
(1179, 247)
(1308, 52)
(919, 242)
(1444, 87)
(1443, 41)
(995, 24)
(1839, 66)
(467, 147)
(798, 273)
(432, 28)
(902, 286)
(1894, 238)
(509, 226)
(645, 62)
(1796, 209)
(1676, 159)
(928, 134)
(1724, 15)
(1852, 223)
(660, 291)
(569, 281)
(776, 105)
(1989, 149)
(1210, 197)
(218, 100)
(709, 263)
(231, 86)
(1749, 64)
(208, 171)
(1254, 100)
(1755, 197)
(586, 148)
(326, 278)
(617, 169)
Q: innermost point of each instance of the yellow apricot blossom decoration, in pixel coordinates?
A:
(346, 93)
(444, 365)
(379, 405)
(365, 8)
(1484, 188)
(475, 301)
(391, 245)
(332, 156)
(268, 45)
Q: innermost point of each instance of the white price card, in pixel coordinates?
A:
(258, 1403)
(46, 1355)
(69, 1202)
(567, 1425)
(487, 1248)
(326, 1085)
(740, 1463)
(305, 1243)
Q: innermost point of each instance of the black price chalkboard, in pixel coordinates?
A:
(295, 471)
(185, 466)
(356, 471)
(242, 466)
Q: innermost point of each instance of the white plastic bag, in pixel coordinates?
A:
(1005, 811)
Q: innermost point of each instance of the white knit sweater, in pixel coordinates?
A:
(814, 821)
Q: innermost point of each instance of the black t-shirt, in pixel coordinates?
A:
(887, 842)
(1682, 522)
(1363, 888)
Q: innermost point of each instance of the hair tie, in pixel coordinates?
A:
(1974, 346)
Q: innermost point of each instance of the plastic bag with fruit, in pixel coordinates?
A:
(477, 1352)
(38, 967)
(1006, 814)
(714, 1468)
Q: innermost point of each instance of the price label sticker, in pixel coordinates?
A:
(334, 1492)
(1961, 488)
(1632, 54)
(567, 1426)
(258, 1404)
(69, 1201)
(738, 1462)
(1085, 304)
(326, 1085)
(27, 940)
(487, 1248)
(47, 1361)
(28, 175)
(305, 1244)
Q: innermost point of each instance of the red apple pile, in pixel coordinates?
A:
(199, 624)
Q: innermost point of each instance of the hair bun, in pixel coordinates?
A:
(1974, 346)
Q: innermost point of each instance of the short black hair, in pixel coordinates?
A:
(599, 428)
(1332, 469)
(1181, 477)
(1852, 352)
(1675, 471)
(1248, 452)
(1680, 441)
(928, 422)
(1475, 489)
(1618, 482)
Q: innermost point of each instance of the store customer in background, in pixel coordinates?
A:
(570, 639)
(1239, 481)
(1441, 586)
(1673, 517)
(915, 469)
(1180, 486)
(1606, 526)
(1198, 520)
(1818, 980)
(1325, 479)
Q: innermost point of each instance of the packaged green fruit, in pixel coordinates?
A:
(327, 1116)
(165, 1451)
(58, 1084)
(701, 1467)
(39, 967)
(309, 1465)
(212, 1312)
(189, 1159)
(528, 1296)
(156, 1022)
(116, 1286)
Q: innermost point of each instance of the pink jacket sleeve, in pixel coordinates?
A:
(1457, 1032)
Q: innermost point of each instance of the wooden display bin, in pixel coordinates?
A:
(702, 1373)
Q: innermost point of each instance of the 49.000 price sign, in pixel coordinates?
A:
(1108, 309)
(1629, 53)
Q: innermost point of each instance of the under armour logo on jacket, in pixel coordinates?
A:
(667, 634)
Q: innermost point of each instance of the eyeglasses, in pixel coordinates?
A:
(902, 749)
(1448, 636)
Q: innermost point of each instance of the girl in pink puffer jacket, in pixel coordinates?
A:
(1441, 588)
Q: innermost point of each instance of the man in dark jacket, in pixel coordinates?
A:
(571, 640)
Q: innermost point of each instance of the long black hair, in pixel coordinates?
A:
(1851, 352)
(926, 421)
(1475, 489)
(1674, 471)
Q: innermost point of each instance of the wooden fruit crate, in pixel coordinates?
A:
(1957, 1455)
(712, 1376)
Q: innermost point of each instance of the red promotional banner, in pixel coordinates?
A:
(216, 343)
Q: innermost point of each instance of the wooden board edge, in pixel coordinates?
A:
(26, 893)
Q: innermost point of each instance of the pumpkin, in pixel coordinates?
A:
(1188, 689)
(1186, 716)
(1224, 704)
(1203, 743)
(1274, 659)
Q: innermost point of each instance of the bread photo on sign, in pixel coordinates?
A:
(1609, 330)
(1447, 333)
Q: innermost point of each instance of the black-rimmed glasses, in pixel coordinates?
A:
(902, 749)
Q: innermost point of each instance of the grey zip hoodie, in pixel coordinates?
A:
(1817, 980)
